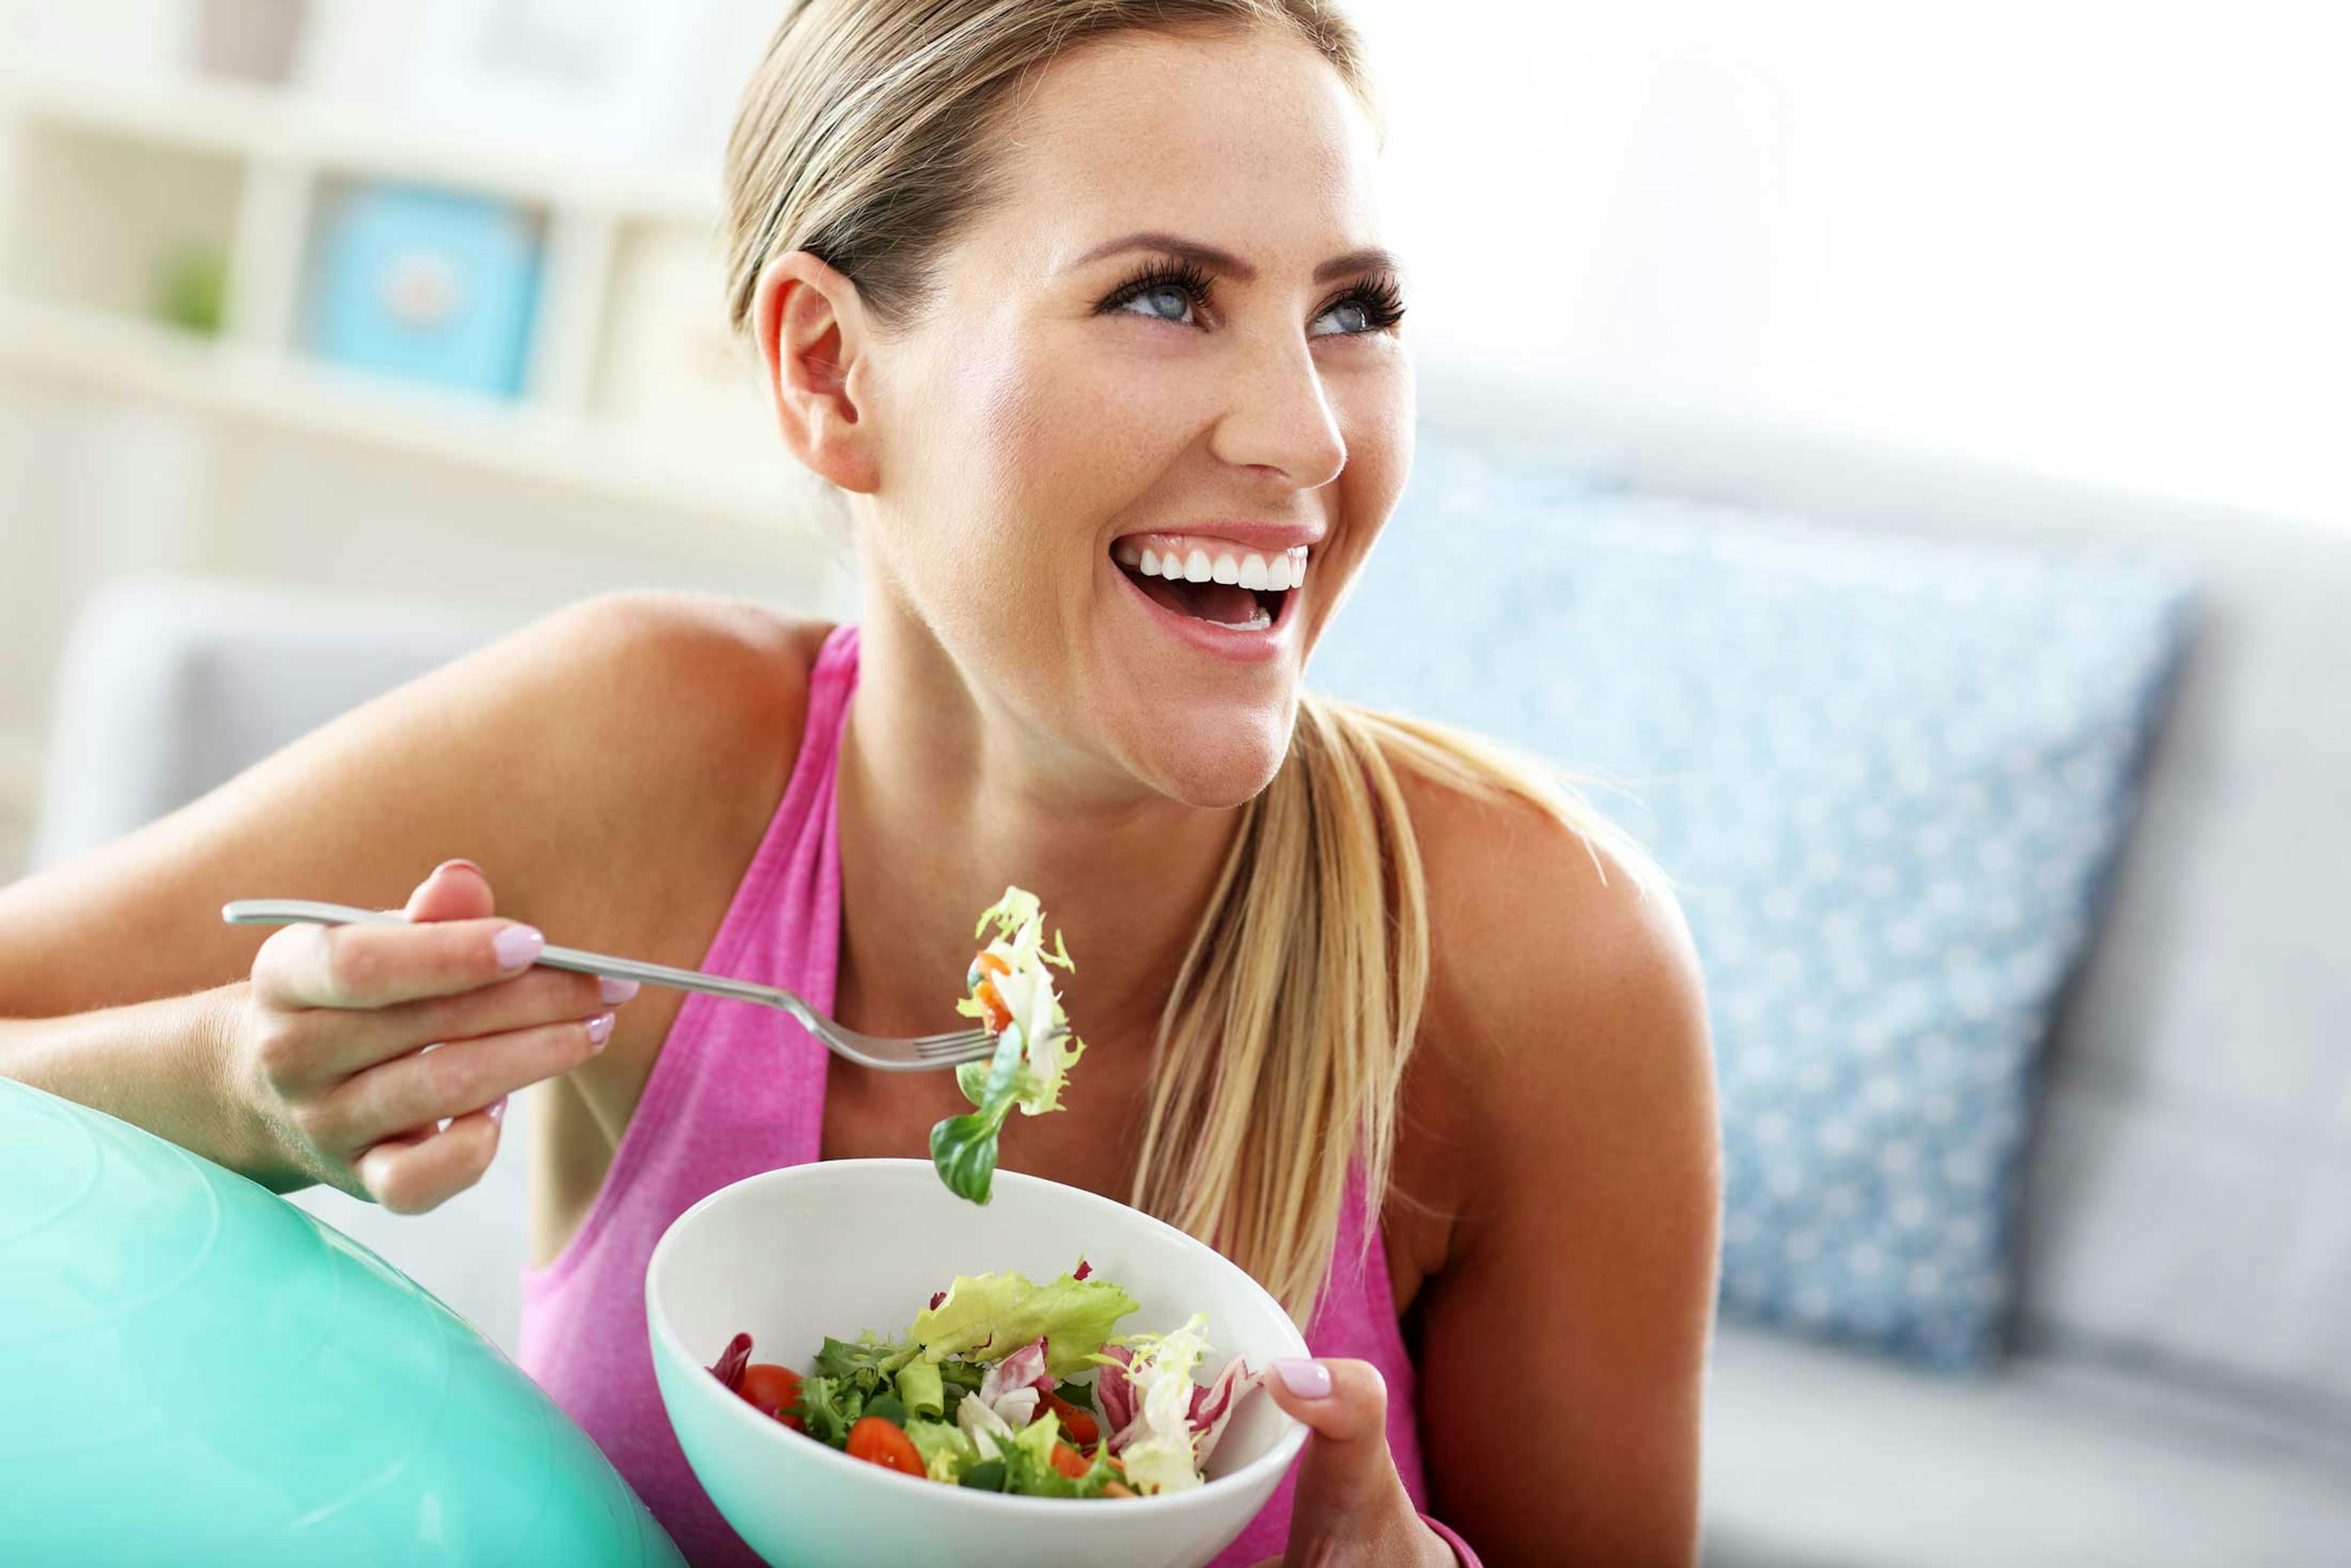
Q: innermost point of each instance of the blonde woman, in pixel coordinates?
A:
(1075, 303)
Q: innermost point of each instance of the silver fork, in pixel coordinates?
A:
(920, 1054)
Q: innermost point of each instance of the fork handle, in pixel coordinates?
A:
(294, 911)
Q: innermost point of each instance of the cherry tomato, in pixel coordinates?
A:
(1076, 1420)
(1067, 1460)
(773, 1389)
(878, 1440)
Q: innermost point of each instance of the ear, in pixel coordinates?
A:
(810, 325)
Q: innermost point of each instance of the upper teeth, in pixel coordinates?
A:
(1190, 562)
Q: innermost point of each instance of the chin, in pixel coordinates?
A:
(1219, 762)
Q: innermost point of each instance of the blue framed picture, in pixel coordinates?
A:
(427, 285)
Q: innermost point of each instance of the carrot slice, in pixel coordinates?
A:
(1076, 1420)
(1066, 1460)
(999, 1014)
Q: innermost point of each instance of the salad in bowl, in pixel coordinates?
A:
(782, 1262)
(969, 1397)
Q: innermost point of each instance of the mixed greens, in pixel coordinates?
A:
(987, 1390)
(1013, 997)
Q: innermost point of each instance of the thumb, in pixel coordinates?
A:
(456, 890)
(1347, 1481)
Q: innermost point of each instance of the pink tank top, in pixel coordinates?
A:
(717, 1108)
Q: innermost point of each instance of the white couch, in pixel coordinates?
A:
(2180, 1386)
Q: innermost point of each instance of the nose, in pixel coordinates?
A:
(1278, 417)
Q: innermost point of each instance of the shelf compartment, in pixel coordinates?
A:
(117, 215)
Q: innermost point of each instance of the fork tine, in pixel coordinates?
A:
(975, 1041)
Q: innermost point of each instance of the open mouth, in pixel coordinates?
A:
(1224, 585)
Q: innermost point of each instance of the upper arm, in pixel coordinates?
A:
(525, 757)
(1583, 1269)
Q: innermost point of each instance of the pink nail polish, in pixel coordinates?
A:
(617, 990)
(518, 947)
(600, 1029)
(1307, 1379)
(497, 1109)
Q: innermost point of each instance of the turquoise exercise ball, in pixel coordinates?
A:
(195, 1371)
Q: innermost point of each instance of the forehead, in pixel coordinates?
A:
(1250, 142)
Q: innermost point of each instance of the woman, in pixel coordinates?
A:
(1068, 299)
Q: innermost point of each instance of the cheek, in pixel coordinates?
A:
(1010, 495)
(1379, 465)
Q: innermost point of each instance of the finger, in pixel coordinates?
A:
(412, 1175)
(453, 890)
(1346, 1468)
(369, 966)
(347, 1043)
(452, 1079)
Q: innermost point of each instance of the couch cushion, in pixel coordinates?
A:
(1889, 777)
(1816, 1459)
(2188, 1202)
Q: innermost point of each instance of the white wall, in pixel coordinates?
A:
(2095, 238)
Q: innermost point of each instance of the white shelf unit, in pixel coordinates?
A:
(107, 177)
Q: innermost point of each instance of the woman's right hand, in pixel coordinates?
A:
(356, 1041)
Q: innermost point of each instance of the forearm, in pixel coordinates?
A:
(162, 1065)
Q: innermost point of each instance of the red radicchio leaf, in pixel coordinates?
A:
(1212, 1406)
(1084, 1269)
(733, 1362)
(936, 1298)
(1114, 1396)
(1024, 1368)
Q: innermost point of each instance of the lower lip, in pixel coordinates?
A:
(1225, 642)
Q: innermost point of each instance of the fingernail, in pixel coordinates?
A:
(600, 1029)
(469, 865)
(617, 990)
(1307, 1379)
(517, 946)
(498, 1109)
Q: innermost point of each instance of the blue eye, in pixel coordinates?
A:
(1168, 287)
(1177, 284)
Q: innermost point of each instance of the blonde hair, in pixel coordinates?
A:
(866, 138)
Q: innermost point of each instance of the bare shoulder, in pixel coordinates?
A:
(1566, 1010)
(1536, 921)
(672, 723)
(575, 758)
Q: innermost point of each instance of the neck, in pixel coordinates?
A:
(945, 797)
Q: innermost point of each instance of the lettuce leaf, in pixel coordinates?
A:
(921, 1388)
(988, 1316)
(827, 1407)
(1034, 1050)
(946, 1452)
(1029, 1464)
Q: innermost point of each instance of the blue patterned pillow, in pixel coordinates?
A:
(1889, 778)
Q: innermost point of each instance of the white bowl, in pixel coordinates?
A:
(842, 1246)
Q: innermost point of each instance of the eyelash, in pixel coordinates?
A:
(1382, 301)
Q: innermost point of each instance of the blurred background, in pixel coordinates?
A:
(1912, 433)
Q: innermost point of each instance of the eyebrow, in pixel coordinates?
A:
(1372, 258)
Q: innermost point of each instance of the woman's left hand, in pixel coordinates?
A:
(1351, 1507)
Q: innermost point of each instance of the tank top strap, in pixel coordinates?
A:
(738, 1089)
